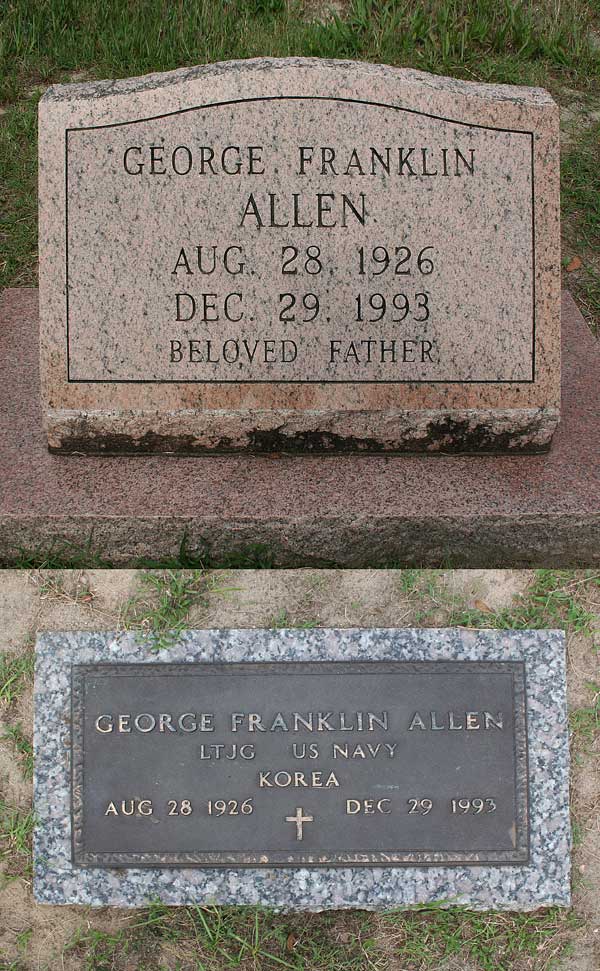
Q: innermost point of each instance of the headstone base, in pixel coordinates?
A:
(300, 510)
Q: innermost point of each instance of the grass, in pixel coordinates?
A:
(18, 194)
(585, 721)
(71, 587)
(245, 936)
(16, 825)
(16, 673)
(98, 950)
(557, 599)
(282, 620)
(23, 938)
(16, 830)
(60, 554)
(577, 834)
(217, 939)
(580, 187)
(162, 608)
(23, 747)
(500, 40)
(491, 942)
(553, 600)
(65, 554)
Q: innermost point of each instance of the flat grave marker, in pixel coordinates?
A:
(299, 255)
(340, 756)
(388, 767)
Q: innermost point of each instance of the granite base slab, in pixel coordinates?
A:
(543, 881)
(351, 510)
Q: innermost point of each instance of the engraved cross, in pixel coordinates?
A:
(299, 819)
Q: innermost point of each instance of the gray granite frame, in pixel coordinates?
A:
(543, 881)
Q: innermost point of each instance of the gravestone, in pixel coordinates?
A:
(299, 255)
(303, 769)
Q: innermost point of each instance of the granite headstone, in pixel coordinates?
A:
(299, 255)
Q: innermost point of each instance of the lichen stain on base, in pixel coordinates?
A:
(431, 433)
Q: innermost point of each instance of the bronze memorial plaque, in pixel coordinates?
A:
(294, 764)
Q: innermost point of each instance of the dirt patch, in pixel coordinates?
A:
(51, 929)
(15, 790)
(585, 955)
(18, 608)
(82, 599)
(324, 10)
(584, 673)
(577, 112)
(305, 598)
(351, 598)
(495, 590)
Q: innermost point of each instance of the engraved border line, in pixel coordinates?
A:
(236, 101)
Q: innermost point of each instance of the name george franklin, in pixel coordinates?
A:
(321, 209)
(295, 721)
(235, 160)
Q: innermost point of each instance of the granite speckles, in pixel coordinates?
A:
(466, 331)
(544, 881)
(351, 510)
(100, 89)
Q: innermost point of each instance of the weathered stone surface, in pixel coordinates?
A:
(541, 881)
(379, 264)
(350, 510)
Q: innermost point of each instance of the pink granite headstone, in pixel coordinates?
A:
(299, 254)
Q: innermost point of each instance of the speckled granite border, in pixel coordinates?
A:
(544, 881)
